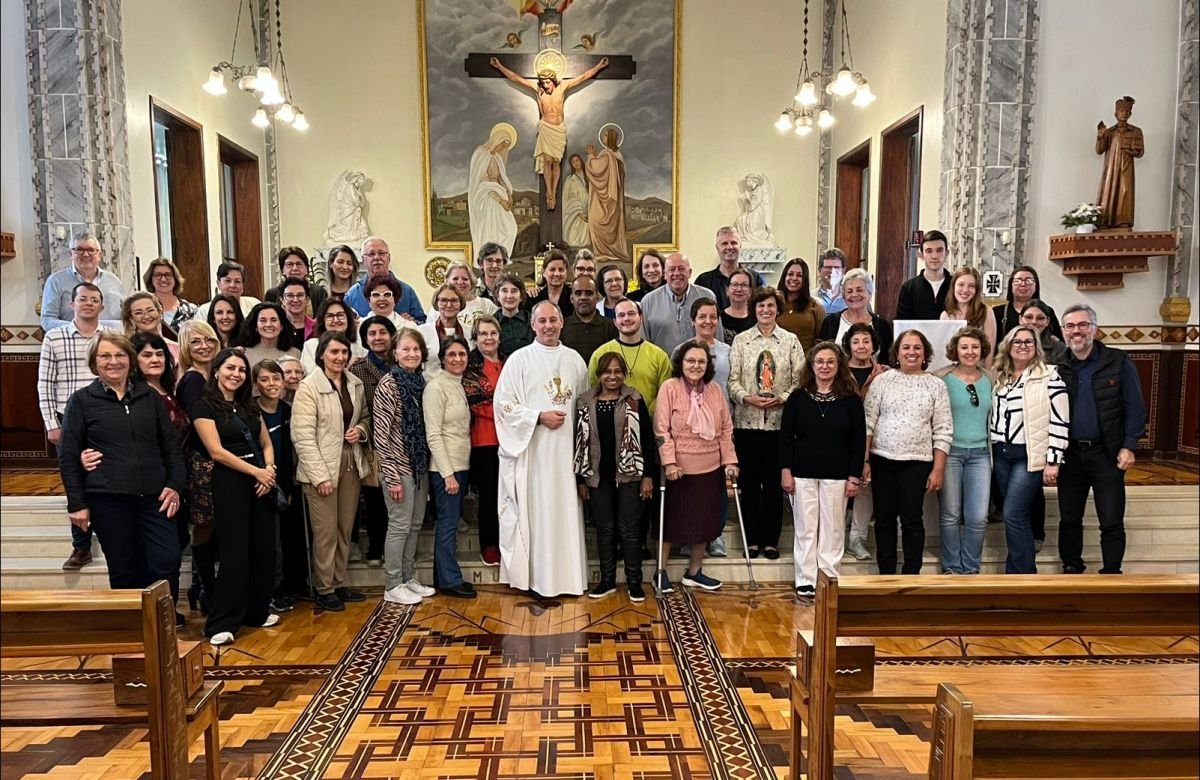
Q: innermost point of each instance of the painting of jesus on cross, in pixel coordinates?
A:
(590, 161)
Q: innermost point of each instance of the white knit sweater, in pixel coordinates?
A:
(908, 416)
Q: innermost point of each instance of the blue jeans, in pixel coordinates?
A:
(964, 506)
(445, 546)
(1017, 486)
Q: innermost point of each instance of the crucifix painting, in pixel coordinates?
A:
(590, 161)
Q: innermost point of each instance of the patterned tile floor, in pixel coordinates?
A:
(508, 687)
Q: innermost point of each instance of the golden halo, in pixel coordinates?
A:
(615, 126)
(435, 270)
(550, 61)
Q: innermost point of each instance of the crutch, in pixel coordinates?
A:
(662, 509)
(737, 502)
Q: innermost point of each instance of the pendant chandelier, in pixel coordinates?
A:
(816, 90)
(274, 94)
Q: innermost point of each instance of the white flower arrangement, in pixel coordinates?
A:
(1083, 214)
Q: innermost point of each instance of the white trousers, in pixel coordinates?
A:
(864, 507)
(819, 512)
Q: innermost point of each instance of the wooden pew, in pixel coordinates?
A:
(1116, 733)
(39, 624)
(984, 605)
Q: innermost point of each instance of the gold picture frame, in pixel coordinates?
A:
(434, 242)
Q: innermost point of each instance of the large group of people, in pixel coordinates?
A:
(263, 435)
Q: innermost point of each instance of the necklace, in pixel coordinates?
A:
(822, 400)
(632, 364)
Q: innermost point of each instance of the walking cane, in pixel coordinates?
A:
(662, 508)
(312, 591)
(737, 501)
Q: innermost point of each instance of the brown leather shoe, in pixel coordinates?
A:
(79, 559)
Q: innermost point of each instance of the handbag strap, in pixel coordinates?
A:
(259, 459)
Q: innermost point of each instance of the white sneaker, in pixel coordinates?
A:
(223, 638)
(356, 555)
(401, 595)
(423, 591)
(272, 619)
(859, 550)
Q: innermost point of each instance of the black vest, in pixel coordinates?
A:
(1106, 389)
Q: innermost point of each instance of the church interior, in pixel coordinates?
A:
(980, 121)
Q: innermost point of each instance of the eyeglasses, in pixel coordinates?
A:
(301, 296)
(695, 362)
(1023, 281)
(142, 314)
(201, 341)
(374, 255)
(335, 315)
(449, 302)
(113, 357)
(825, 363)
(162, 275)
(1026, 343)
(381, 294)
(86, 252)
(739, 285)
(1076, 325)
(974, 395)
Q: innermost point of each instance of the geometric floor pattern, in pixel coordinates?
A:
(508, 687)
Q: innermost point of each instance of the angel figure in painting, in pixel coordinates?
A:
(489, 191)
(1120, 144)
(550, 92)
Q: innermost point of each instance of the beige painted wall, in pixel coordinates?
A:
(900, 48)
(157, 65)
(19, 287)
(1092, 53)
(363, 101)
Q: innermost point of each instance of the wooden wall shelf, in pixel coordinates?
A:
(1100, 260)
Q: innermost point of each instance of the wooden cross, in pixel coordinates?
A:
(550, 36)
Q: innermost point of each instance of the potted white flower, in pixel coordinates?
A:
(1083, 218)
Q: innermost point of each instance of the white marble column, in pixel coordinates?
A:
(829, 21)
(1181, 268)
(991, 64)
(76, 78)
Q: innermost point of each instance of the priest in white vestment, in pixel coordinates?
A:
(541, 521)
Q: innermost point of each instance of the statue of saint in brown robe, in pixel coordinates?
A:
(1120, 145)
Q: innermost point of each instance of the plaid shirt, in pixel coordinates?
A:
(63, 369)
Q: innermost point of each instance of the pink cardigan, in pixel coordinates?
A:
(680, 446)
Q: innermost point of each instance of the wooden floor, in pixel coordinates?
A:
(46, 482)
(507, 687)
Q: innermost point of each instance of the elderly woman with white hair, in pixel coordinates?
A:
(857, 290)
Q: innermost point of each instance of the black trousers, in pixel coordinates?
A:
(80, 539)
(293, 544)
(376, 517)
(485, 478)
(245, 531)
(1091, 468)
(1037, 513)
(141, 544)
(618, 513)
(899, 490)
(762, 497)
